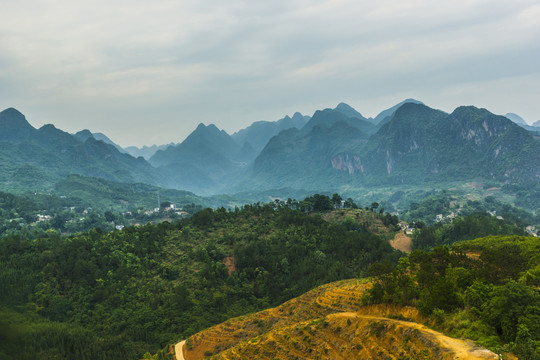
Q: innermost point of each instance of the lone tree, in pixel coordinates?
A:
(336, 200)
(349, 203)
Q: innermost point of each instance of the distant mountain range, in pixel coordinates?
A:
(256, 136)
(409, 143)
(534, 128)
(146, 151)
(37, 158)
(416, 144)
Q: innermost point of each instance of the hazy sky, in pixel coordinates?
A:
(148, 72)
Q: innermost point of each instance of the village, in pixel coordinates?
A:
(72, 219)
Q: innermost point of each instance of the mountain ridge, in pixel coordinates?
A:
(57, 154)
(415, 143)
(411, 144)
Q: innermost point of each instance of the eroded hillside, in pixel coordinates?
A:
(330, 322)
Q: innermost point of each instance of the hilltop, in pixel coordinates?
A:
(330, 322)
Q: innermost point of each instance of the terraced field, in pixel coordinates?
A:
(329, 322)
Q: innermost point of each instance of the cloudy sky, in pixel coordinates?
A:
(147, 72)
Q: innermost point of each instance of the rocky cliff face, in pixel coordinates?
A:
(348, 163)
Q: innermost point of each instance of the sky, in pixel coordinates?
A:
(147, 72)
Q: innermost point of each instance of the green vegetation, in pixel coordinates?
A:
(448, 202)
(123, 294)
(119, 197)
(490, 296)
(466, 228)
(527, 194)
(418, 145)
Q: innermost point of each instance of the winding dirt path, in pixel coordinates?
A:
(178, 350)
(460, 348)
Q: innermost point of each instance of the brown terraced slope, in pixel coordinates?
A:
(329, 322)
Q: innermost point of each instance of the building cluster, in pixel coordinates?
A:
(531, 230)
(406, 228)
(446, 219)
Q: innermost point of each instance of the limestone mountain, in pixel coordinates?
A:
(416, 143)
(14, 127)
(349, 111)
(206, 161)
(329, 117)
(298, 159)
(85, 134)
(420, 143)
(146, 151)
(55, 154)
(257, 134)
(410, 144)
(516, 118)
(384, 116)
(534, 128)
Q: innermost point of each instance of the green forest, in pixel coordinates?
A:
(121, 294)
(125, 293)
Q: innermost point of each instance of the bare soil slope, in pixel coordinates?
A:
(330, 322)
(401, 242)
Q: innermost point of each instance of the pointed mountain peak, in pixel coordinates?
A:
(13, 125)
(344, 106)
(467, 110)
(13, 118)
(211, 128)
(11, 112)
(209, 135)
(48, 127)
(348, 110)
(411, 100)
(84, 135)
(410, 108)
(297, 115)
(385, 115)
(84, 132)
(201, 126)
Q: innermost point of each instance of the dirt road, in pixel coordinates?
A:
(178, 350)
(460, 348)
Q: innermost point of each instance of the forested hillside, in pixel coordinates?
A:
(426, 307)
(485, 290)
(121, 294)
